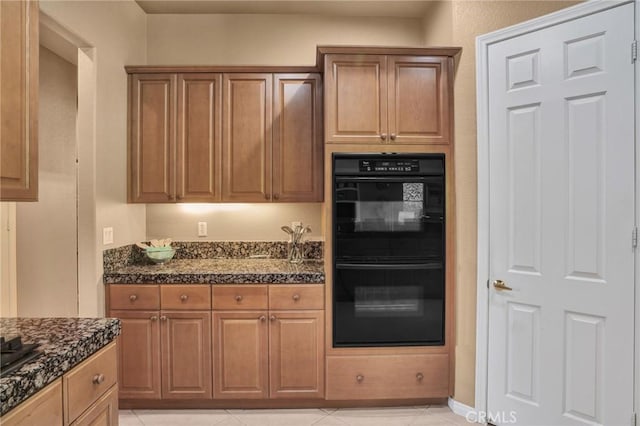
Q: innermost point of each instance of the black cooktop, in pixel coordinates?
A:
(14, 354)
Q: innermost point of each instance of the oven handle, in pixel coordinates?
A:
(403, 179)
(394, 266)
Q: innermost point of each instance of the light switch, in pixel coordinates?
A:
(107, 235)
(202, 229)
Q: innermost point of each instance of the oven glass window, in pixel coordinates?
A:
(379, 305)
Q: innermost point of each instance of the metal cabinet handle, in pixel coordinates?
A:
(272, 318)
(266, 196)
(419, 377)
(154, 318)
(239, 298)
(359, 378)
(383, 136)
(262, 318)
(392, 136)
(184, 297)
(133, 297)
(163, 318)
(98, 379)
(296, 297)
(276, 196)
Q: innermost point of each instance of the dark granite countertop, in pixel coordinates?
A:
(65, 342)
(219, 271)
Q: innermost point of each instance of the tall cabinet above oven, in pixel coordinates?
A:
(390, 220)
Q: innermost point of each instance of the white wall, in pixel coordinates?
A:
(267, 39)
(46, 248)
(116, 30)
(239, 222)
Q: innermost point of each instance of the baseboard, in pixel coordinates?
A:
(463, 410)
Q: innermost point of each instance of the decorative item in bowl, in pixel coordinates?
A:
(160, 254)
(160, 251)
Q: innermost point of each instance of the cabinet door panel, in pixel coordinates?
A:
(297, 138)
(296, 354)
(139, 354)
(19, 100)
(186, 354)
(241, 354)
(418, 99)
(103, 413)
(198, 167)
(246, 148)
(152, 138)
(356, 98)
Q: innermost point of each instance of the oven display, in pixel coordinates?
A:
(389, 166)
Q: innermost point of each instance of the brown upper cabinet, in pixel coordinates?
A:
(388, 98)
(230, 137)
(168, 165)
(272, 147)
(19, 100)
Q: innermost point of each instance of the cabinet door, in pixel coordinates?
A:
(103, 413)
(296, 356)
(419, 108)
(241, 354)
(355, 98)
(246, 148)
(152, 138)
(139, 354)
(297, 138)
(19, 100)
(186, 354)
(198, 167)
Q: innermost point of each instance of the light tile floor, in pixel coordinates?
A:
(435, 415)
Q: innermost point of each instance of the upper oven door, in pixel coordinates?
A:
(379, 217)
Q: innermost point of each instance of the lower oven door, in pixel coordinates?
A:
(388, 304)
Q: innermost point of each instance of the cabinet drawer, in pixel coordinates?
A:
(87, 382)
(305, 296)
(104, 412)
(185, 297)
(134, 297)
(240, 297)
(42, 409)
(388, 377)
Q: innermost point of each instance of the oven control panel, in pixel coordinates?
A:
(389, 165)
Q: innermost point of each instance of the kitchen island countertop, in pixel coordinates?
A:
(219, 271)
(64, 342)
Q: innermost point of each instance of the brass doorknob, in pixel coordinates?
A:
(501, 285)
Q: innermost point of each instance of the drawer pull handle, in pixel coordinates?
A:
(262, 318)
(272, 318)
(296, 297)
(383, 136)
(184, 297)
(133, 297)
(239, 298)
(98, 379)
(163, 318)
(419, 377)
(392, 136)
(154, 318)
(359, 378)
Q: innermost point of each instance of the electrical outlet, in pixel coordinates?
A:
(107, 235)
(294, 225)
(202, 229)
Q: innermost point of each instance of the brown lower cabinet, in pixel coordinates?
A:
(255, 342)
(269, 354)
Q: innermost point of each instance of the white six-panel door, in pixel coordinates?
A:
(561, 208)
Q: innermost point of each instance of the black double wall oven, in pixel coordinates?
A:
(388, 249)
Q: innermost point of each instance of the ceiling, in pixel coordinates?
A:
(388, 8)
